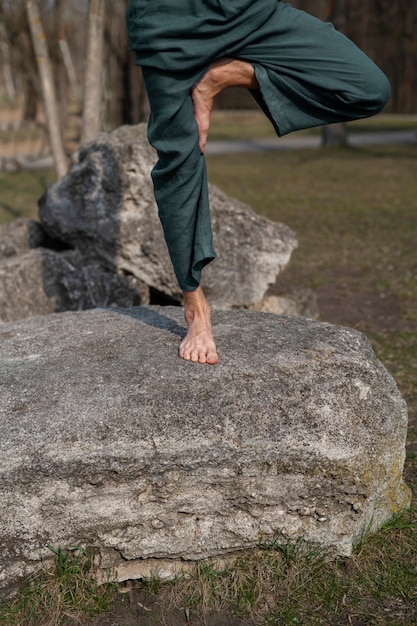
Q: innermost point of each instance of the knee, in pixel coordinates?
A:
(379, 90)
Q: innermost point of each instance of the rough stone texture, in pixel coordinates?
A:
(38, 276)
(105, 209)
(44, 281)
(109, 440)
(19, 236)
(22, 291)
(100, 242)
(252, 251)
(301, 302)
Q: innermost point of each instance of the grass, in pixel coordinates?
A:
(354, 210)
(64, 591)
(294, 583)
(355, 214)
(19, 193)
(277, 584)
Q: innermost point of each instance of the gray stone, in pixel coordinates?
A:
(23, 292)
(299, 303)
(105, 209)
(110, 441)
(252, 251)
(43, 281)
(19, 236)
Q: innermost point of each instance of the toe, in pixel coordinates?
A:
(212, 358)
(194, 356)
(184, 354)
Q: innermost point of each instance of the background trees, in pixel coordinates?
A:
(93, 80)
(46, 86)
(384, 29)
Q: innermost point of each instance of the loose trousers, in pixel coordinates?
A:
(308, 73)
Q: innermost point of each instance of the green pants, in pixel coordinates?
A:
(308, 73)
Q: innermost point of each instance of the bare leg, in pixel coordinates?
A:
(198, 345)
(222, 74)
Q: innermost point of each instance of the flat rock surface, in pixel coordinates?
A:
(109, 440)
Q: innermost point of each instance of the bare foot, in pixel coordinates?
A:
(222, 74)
(198, 344)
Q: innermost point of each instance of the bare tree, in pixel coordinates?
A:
(69, 65)
(93, 76)
(47, 87)
(335, 134)
(7, 63)
(21, 56)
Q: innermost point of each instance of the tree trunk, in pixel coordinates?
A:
(48, 88)
(60, 76)
(93, 83)
(30, 107)
(7, 64)
(69, 67)
(135, 98)
(335, 134)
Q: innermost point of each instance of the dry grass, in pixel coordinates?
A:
(287, 583)
(65, 591)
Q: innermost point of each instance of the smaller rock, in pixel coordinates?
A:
(300, 303)
(22, 292)
(20, 236)
(43, 281)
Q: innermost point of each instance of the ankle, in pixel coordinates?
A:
(196, 306)
(227, 72)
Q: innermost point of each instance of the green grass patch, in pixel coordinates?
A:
(296, 583)
(278, 583)
(353, 210)
(65, 591)
(20, 192)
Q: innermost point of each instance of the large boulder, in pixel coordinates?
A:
(105, 209)
(110, 441)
